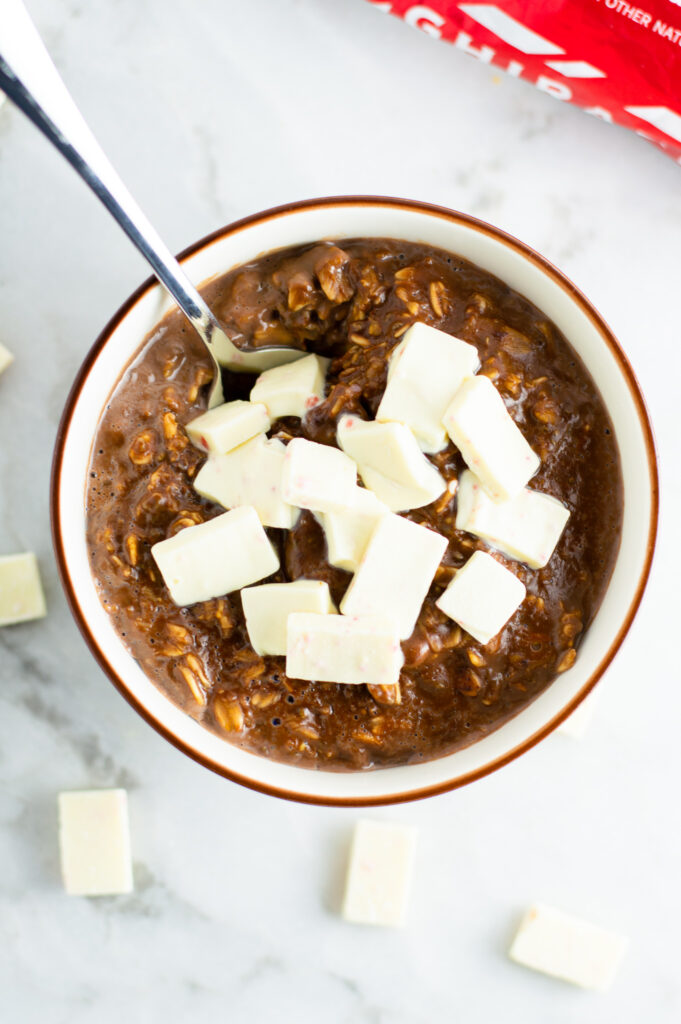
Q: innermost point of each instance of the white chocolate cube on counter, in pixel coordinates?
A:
(482, 597)
(343, 649)
(390, 463)
(395, 573)
(6, 356)
(379, 874)
(526, 527)
(577, 723)
(424, 372)
(268, 607)
(348, 531)
(249, 475)
(294, 389)
(215, 558)
(317, 476)
(568, 948)
(491, 444)
(21, 591)
(227, 426)
(94, 842)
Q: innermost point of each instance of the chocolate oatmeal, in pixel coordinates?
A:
(352, 301)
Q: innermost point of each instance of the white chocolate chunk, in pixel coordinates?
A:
(227, 426)
(526, 527)
(379, 874)
(215, 558)
(268, 607)
(391, 463)
(568, 948)
(348, 531)
(6, 356)
(396, 497)
(482, 597)
(424, 372)
(395, 573)
(317, 476)
(294, 389)
(249, 475)
(21, 592)
(94, 841)
(492, 446)
(577, 724)
(343, 649)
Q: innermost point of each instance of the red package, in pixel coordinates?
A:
(617, 61)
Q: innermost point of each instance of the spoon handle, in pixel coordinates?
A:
(32, 82)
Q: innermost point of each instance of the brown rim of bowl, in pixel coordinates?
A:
(547, 268)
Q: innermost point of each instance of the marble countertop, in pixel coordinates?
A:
(212, 111)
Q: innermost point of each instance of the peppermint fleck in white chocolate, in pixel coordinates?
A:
(491, 444)
(348, 531)
(482, 597)
(526, 527)
(390, 463)
(424, 372)
(227, 426)
(343, 649)
(249, 475)
(215, 558)
(6, 356)
(395, 573)
(568, 948)
(294, 389)
(317, 476)
(21, 591)
(268, 607)
(94, 841)
(379, 874)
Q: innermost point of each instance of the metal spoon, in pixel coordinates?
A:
(30, 79)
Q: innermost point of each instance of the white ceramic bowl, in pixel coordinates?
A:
(523, 270)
